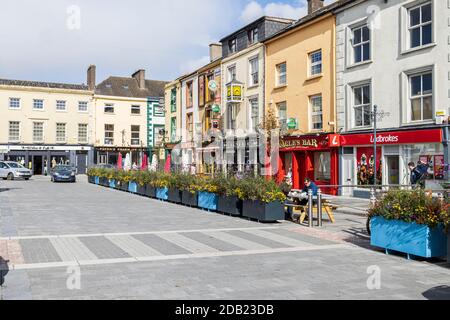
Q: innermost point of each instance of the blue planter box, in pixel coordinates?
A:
(112, 183)
(410, 238)
(208, 201)
(97, 180)
(162, 193)
(132, 187)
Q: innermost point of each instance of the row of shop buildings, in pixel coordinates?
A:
(320, 78)
(43, 123)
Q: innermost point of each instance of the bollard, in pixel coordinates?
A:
(373, 197)
(319, 208)
(310, 209)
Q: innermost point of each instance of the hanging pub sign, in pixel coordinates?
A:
(215, 108)
(292, 124)
(234, 92)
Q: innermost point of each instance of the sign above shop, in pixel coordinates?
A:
(309, 142)
(389, 138)
(44, 148)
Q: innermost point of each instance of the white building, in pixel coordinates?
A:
(393, 54)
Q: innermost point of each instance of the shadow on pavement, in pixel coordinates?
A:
(438, 293)
(4, 269)
(9, 189)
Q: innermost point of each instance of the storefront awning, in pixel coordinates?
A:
(394, 137)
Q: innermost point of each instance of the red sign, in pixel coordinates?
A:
(309, 142)
(389, 138)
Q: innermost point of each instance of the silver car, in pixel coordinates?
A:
(13, 170)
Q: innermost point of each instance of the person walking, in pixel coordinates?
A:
(419, 174)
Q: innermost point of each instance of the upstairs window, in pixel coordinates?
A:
(281, 74)
(420, 25)
(109, 134)
(316, 112)
(189, 95)
(254, 106)
(282, 113)
(82, 106)
(362, 105)
(82, 133)
(173, 100)
(61, 105)
(232, 48)
(38, 131)
(109, 108)
(316, 63)
(14, 131)
(253, 36)
(361, 44)
(14, 103)
(135, 109)
(231, 73)
(38, 104)
(135, 135)
(254, 71)
(61, 132)
(421, 96)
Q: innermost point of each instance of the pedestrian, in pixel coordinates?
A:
(53, 163)
(45, 167)
(419, 174)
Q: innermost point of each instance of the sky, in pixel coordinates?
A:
(56, 40)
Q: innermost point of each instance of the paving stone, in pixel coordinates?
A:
(162, 245)
(103, 248)
(39, 250)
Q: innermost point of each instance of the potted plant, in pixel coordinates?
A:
(207, 194)
(124, 178)
(92, 173)
(174, 185)
(111, 175)
(262, 200)
(227, 192)
(132, 183)
(188, 186)
(150, 180)
(161, 183)
(410, 222)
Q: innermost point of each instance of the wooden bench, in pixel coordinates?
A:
(326, 207)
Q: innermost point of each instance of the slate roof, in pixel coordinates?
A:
(38, 84)
(128, 87)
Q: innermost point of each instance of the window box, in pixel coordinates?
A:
(410, 238)
(230, 205)
(208, 201)
(265, 212)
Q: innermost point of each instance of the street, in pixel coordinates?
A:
(130, 247)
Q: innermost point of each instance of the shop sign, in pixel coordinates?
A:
(212, 86)
(292, 124)
(234, 92)
(46, 148)
(311, 142)
(389, 138)
(215, 108)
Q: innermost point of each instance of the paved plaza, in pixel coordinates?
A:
(130, 247)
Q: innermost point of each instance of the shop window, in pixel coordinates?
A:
(366, 172)
(322, 166)
(430, 154)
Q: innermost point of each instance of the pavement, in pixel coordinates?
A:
(82, 241)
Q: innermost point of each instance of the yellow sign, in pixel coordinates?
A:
(234, 93)
(237, 91)
(300, 143)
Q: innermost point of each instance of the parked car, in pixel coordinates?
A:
(12, 170)
(63, 173)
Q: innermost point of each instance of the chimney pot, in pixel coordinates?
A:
(140, 78)
(91, 77)
(314, 5)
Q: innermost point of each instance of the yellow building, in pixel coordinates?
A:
(300, 89)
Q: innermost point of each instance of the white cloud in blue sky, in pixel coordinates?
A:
(165, 37)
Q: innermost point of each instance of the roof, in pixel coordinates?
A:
(268, 18)
(38, 84)
(128, 87)
(310, 17)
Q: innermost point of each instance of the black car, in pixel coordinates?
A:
(62, 173)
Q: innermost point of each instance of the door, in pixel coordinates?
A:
(38, 165)
(348, 174)
(393, 170)
(81, 163)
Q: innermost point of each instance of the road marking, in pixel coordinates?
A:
(239, 242)
(278, 238)
(70, 249)
(187, 243)
(176, 257)
(133, 247)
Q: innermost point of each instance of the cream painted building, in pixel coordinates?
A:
(44, 123)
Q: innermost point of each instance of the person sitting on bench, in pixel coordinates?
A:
(309, 185)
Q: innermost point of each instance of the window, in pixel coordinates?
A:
(189, 94)
(362, 105)
(282, 113)
(135, 135)
(231, 73)
(254, 107)
(61, 105)
(38, 131)
(421, 96)
(173, 129)
(315, 59)
(82, 133)
(109, 134)
(253, 36)
(38, 104)
(14, 103)
(281, 74)
(135, 109)
(158, 110)
(254, 71)
(316, 112)
(82, 106)
(190, 126)
(322, 166)
(173, 100)
(61, 132)
(14, 131)
(420, 25)
(232, 45)
(109, 108)
(361, 44)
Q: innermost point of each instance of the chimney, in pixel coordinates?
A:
(91, 77)
(140, 77)
(215, 51)
(314, 5)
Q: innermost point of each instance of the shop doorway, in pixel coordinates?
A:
(393, 170)
(81, 164)
(37, 165)
(348, 173)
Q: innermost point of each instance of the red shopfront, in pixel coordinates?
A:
(395, 150)
(314, 157)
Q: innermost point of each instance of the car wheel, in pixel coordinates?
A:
(27, 179)
(10, 176)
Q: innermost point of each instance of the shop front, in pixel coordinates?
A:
(110, 155)
(40, 159)
(396, 149)
(314, 157)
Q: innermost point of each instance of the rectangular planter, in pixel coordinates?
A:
(91, 179)
(141, 190)
(132, 187)
(96, 180)
(162, 193)
(265, 212)
(230, 205)
(112, 183)
(104, 182)
(123, 186)
(175, 195)
(150, 191)
(208, 201)
(189, 199)
(410, 238)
